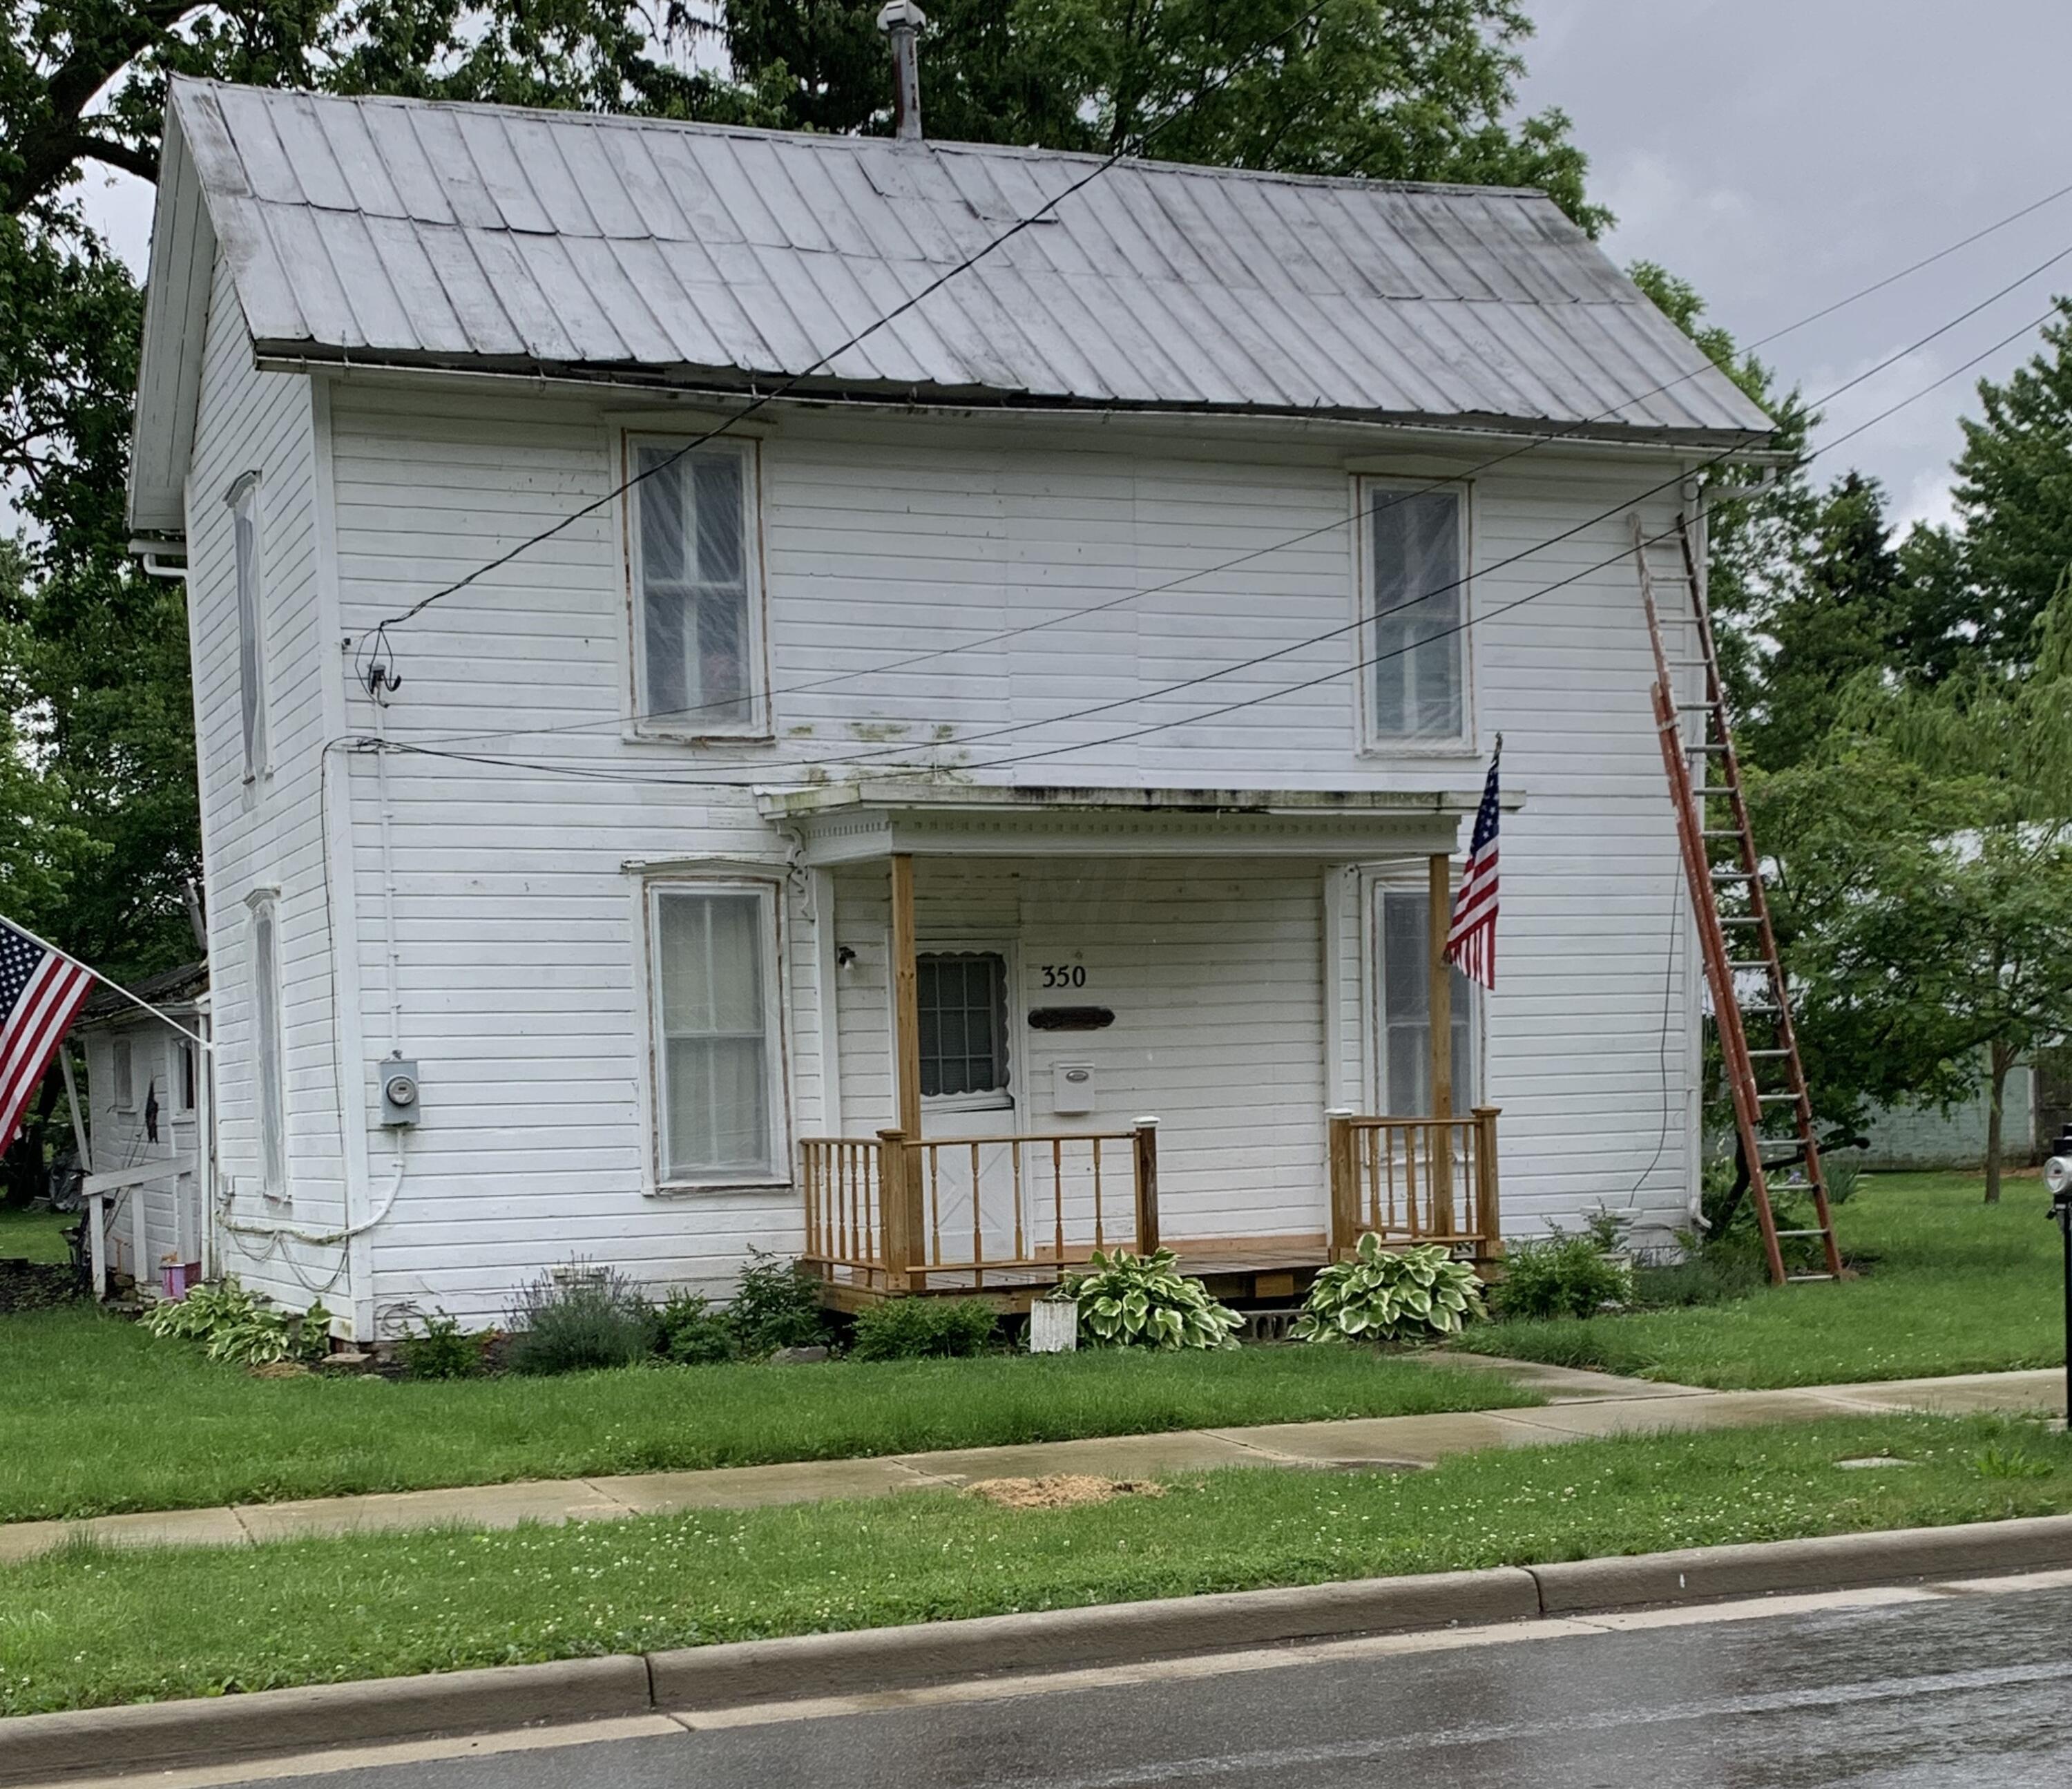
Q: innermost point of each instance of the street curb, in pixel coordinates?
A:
(47, 1748)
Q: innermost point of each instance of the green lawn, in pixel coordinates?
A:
(1948, 1285)
(85, 1627)
(35, 1236)
(100, 1417)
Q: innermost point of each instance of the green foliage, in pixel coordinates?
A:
(442, 1349)
(1561, 1276)
(776, 1304)
(1391, 89)
(1707, 1275)
(692, 1333)
(1385, 1295)
(1143, 1302)
(590, 1318)
(914, 1329)
(240, 1328)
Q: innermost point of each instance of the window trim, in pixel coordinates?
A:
(1379, 887)
(186, 1076)
(256, 738)
(760, 723)
(122, 1074)
(649, 892)
(998, 1099)
(1373, 742)
(268, 1013)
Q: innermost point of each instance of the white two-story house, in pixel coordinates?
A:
(673, 731)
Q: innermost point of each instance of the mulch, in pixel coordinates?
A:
(37, 1285)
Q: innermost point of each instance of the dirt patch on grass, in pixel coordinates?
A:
(36, 1285)
(1060, 1490)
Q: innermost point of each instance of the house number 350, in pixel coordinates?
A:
(1064, 975)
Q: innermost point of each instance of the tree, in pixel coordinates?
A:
(1995, 576)
(1923, 888)
(1388, 89)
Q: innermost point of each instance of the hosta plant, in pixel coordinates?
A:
(1143, 1301)
(241, 1327)
(1391, 1295)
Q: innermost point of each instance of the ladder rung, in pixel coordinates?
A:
(1773, 1099)
(1807, 1279)
(1720, 875)
(1706, 791)
(1765, 1055)
(1716, 745)
(1739, 920)
(1755, 963)
(1722, 832)
(1782, 1234)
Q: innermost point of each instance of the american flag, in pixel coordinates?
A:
(1471, 939)
(40, 991)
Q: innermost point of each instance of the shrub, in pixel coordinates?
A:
(913, 1329)
(693, 1332)
(241, 1328)
(1560, 1276)
(1141, 1300)
(1385, 1295)
(593, 1317)
(776, 1304)
(444, 1351)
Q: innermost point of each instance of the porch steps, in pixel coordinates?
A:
(1704, 777)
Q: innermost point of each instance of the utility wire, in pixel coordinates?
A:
(378, 647)
(766, 769)
(768, 772)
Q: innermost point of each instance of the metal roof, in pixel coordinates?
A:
(400, 231)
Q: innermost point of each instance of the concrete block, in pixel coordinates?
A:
(703, 1678)
(1698, 1574)
(47, 1748)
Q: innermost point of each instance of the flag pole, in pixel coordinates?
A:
(113, 987)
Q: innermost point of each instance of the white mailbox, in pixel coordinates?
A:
(1072, 1087)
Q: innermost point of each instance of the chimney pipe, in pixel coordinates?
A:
(901, 20)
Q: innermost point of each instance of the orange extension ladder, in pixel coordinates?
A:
(1727, 896)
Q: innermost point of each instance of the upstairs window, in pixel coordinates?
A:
(697, 605)
(962, 1003)
(1416, 607)
(1406, 1010)
(251, 622)
(270, 1088)
(184, 1055)
(124, 1061)
(717, 1068)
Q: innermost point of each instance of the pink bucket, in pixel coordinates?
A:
(177, 1279)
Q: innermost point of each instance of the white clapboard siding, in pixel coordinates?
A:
(518, 952)
(268, 834)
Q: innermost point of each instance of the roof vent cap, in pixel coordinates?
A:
(901, 20)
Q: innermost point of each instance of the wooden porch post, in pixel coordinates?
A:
(1489, 1217)
(1146, 1135)
(899, 1195)
(1345, 1191)
(906, 998)
(1440, 1004)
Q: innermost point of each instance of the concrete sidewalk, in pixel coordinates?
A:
(1581, 1406)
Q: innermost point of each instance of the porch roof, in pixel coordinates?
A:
(855, 822)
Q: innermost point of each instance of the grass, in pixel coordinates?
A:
(85, 1627)
(100, 1417)
(35, 1236)
(1949, 1285)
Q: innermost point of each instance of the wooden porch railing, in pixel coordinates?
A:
(900, 1214)
(1416, 1180)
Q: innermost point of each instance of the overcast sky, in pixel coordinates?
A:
(1781, 154)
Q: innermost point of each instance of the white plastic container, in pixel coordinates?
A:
(1053, 1326)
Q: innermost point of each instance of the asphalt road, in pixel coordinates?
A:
(1972, 1689)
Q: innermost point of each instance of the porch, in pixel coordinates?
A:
(1009, 980)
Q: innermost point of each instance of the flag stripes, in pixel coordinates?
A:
(1471, 935)
(40, 993)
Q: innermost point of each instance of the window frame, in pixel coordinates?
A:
(255, 730)
(1468, 1006)
(758, 725)
(269, 1105)
(122, 1073)
(1001, 1098)
(186, 1076)
(1373, 741)
(656, 1177)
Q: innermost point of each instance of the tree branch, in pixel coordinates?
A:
(124, 156)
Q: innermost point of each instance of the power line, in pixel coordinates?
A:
(850, 759)
(607, 775)
(1534, 443)
(379, 644)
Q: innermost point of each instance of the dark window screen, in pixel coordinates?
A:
(964, 1022)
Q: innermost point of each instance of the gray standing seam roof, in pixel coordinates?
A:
(391, 230)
